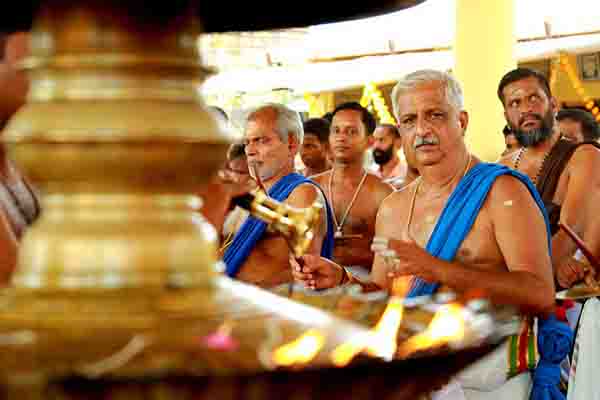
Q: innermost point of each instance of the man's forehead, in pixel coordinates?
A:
(260, 127)
(347, 117)
(382, 131)
(429, 95)
(522, 87)
(310, 137)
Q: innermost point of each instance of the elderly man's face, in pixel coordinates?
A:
(431, 125)
(265, 150)
(571, 129)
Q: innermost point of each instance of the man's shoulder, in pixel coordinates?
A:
(377, 185)
(508, 191)
(401, 197)
(586, 153)
(320, 178)
(508, 159)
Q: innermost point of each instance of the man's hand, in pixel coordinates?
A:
(404, 258)
(217, 195)
(572, 271)
(316, 272)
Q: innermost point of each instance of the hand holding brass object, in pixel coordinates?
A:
(589, 287)
(296, 225)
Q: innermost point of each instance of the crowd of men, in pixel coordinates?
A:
(438, 217)
(427, 212)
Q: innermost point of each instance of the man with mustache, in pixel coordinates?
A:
(386, 145)
(455, 228)
(564, 172)
(272, 137)
(354, 194)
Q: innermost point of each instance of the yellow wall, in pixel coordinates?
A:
(484, 52)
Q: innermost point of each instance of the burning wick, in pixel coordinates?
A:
(301, 350)
(447, 325)
(379, 341)
(221, 339)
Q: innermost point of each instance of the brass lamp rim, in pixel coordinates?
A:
(114, 60)
(70, 136)
(110, 199)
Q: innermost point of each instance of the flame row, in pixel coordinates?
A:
(447, 325)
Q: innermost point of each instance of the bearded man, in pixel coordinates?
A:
(387, 144)
(564, 172)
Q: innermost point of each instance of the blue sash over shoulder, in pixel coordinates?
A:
(555, 338)
(252, 229)
(460, 212)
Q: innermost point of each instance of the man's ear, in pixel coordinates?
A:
(554, 105)
(293, 145)
(370, 140)
(463, 118)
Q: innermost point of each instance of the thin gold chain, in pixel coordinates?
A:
(345, 215)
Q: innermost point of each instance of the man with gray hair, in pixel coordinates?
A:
(455, 227)
(272, 136)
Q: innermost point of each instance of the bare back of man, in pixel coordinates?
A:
(353, 247)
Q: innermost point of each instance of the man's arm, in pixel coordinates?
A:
(386, 226)
(579, 209)
(521, 236)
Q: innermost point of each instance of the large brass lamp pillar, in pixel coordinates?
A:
(116, 137)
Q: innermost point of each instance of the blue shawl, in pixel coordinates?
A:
(252, 229)
(460, 212)
(555, 338)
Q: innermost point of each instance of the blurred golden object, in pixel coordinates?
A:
(296, 225)
(115, 135)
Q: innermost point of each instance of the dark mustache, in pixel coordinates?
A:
(528, 116)
(421, 141)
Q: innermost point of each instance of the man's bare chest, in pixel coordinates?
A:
(479, 246)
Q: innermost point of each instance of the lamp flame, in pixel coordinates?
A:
(300, 351)
(447, 325)
(379, 341)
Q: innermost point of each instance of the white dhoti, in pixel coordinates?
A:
(488, 379)
(583, 377)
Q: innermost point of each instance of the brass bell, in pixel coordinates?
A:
(296, 225)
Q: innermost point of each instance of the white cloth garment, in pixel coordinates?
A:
(585, 365)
